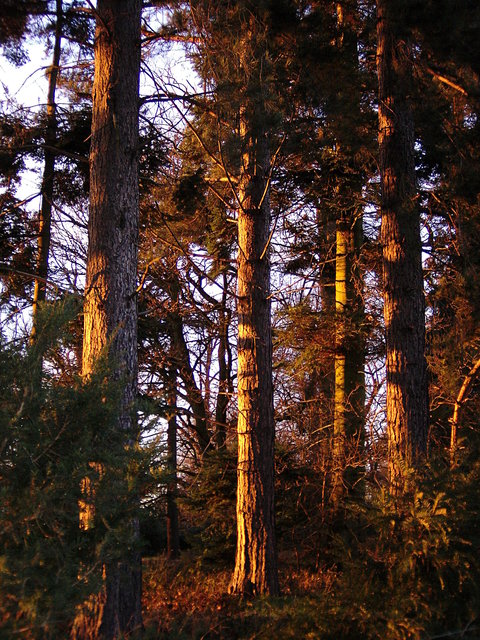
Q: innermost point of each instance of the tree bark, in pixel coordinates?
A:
(255, 563)
(404, 304)
(323, 375)
(349, 403)
(459, 400)
(45, 214)
(110, 312)
(343, 252)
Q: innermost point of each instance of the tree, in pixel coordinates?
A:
(232, 46)
(349, 394)
(14, 24)
(110, 312)
(404, 305)
(255, 564)
(45, 216)
(255, 561)
(48, 437)
(173, 542)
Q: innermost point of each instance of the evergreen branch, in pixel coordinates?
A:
(219, 196)
(167, 36)
(231, 181)
(446, 81)
(269, 180)
(17, 205)
(461, 396)
(33, 276)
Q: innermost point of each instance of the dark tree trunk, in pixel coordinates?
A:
(110, 300)
(195, 398)
(404, 304)
(224, 371)
(45, 215)
(173, 540)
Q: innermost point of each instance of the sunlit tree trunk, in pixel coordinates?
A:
(323, 375)
(459, 400)
(255, 562)
(349, 360)
(404, 304)
(349, 395)
(45, 215)
(110, 313)
(342, 258)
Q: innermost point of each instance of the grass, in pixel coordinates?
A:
(187, 600)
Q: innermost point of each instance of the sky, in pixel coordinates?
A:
(27, 87)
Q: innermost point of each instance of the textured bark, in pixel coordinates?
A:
(343, 253)
(48, 177)
(404, 304)
(110, 313)
(255, 562)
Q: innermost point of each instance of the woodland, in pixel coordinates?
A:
(240, 320)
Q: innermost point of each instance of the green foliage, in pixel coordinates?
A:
(50, 435)
(210, 506)
(299, 500)
(385, 569)
(390, 569)
(408, 567)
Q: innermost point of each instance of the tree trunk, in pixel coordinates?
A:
(349, 404)
(224, 371)
(203, 440)
(459, 400)
(45, 215)
(173, 543)
(342, 269)
(349, 410)
(255, 563)
(323, 375)
(404, 304)
(110, 301)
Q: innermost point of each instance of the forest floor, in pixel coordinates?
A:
(187, 600)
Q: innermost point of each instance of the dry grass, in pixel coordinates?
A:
(183, 599)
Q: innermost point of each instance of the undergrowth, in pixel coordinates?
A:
(390, 570)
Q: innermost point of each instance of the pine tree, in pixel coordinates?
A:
(404, 305)
(110, 299)
(173, 540)
(349, 401)
(45, 216)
